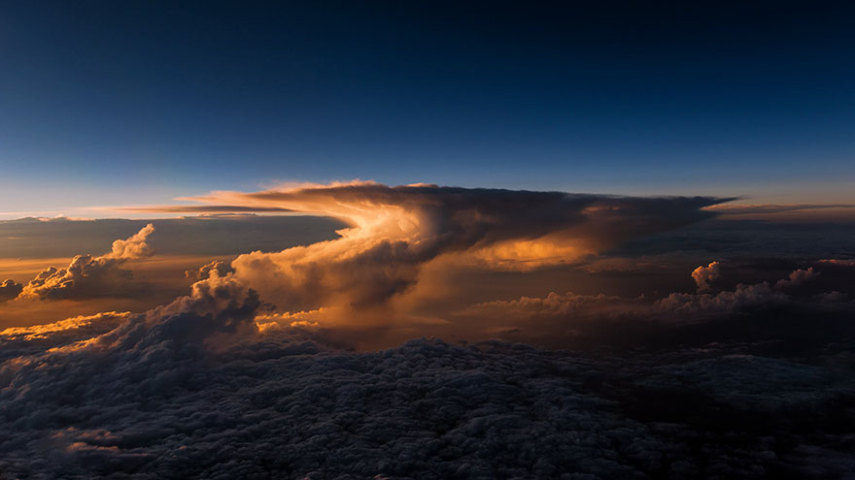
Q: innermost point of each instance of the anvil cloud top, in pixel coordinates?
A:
(151, 100)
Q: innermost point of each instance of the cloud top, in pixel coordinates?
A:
(91, 276)
(132, 247)
(395, 231)
(703, 276)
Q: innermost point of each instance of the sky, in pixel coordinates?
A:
(109, 103)
(435, 240)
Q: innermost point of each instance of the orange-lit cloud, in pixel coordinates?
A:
(83, 325)
(87, 275)
(703, 276)
(394, 232)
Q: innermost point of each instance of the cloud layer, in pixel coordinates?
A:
(246, 377)
(191, 390)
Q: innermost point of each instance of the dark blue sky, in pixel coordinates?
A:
(137, 102)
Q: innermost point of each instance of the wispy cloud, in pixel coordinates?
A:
(197, 209)
(802, 212)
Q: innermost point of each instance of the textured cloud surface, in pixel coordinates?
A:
(777, 311)
(9, 289)
(187, 391)
(395, 231)
(247, 377)
(703, 276)
(90, 276)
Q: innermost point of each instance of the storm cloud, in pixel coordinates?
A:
(245, 377)
(395, 231)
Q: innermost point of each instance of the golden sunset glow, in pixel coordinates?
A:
(396, 240)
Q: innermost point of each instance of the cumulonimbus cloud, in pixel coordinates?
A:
(395, 231)
(91, 276)
(180, 391)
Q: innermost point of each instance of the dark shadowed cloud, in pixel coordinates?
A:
(9, 289)
(190, 390)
